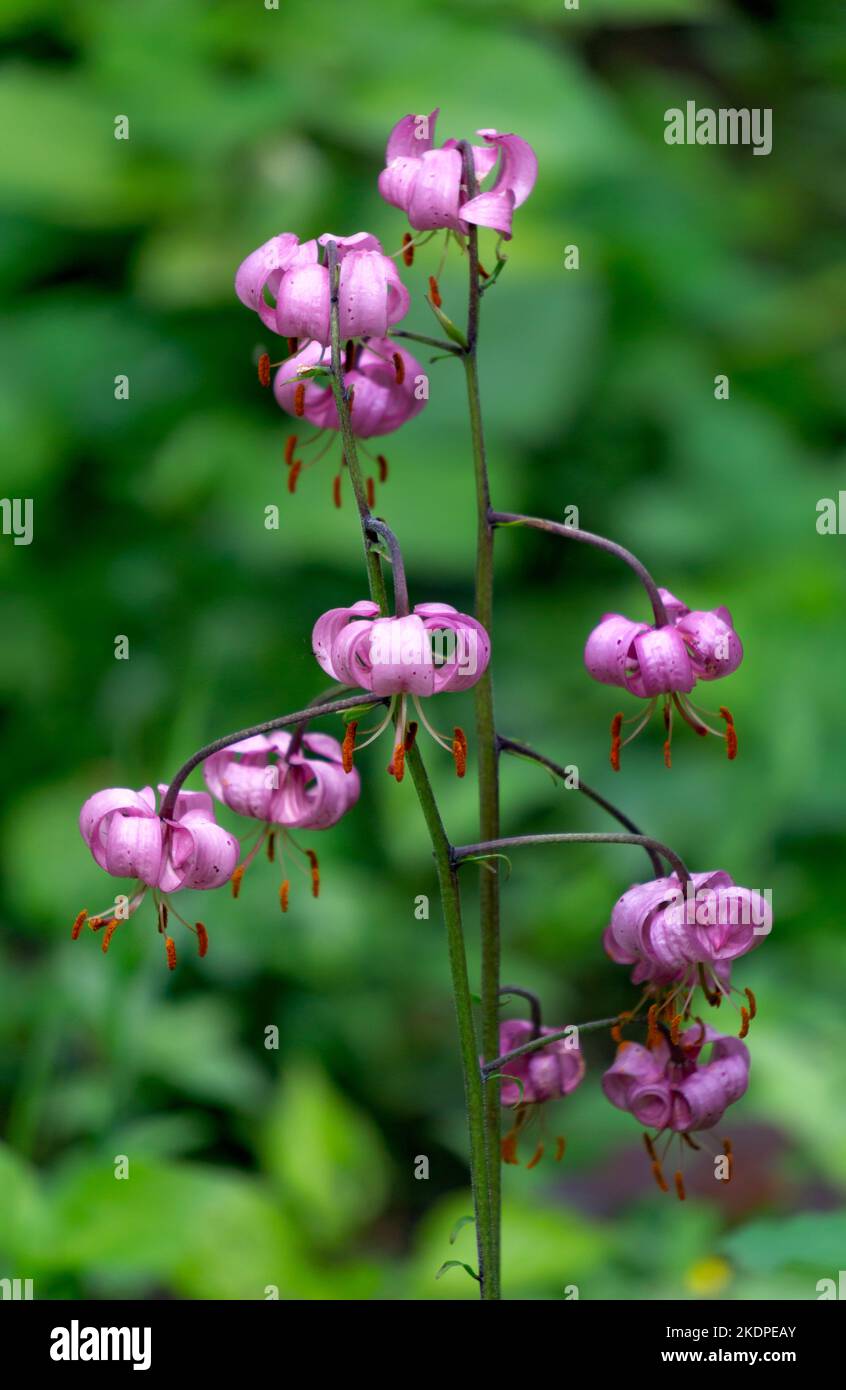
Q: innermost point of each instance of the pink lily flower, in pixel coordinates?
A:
(128, 839)
(546, 1074)
(669, 1089)
(427, 652)
(664, 664)
(289, 784)
(677, 939)
(372, 296)
(427, 182)
(383, 383)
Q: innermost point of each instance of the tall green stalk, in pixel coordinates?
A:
(486, 745)
(447, 875)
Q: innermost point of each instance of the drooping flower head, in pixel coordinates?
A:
(426, 181)
(386, 388)
(548, 1073)
(128, 838)
(663, 664)
(288, 783)
(677, 938)
(371, 295)
(432, 650)
(669, 1089)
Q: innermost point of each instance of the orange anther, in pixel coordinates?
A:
(560, 1146)
(383, 467)
(235, 880)
(434, 292)
(753, 1004)
(731, 733)
(408, 249)
(294, 473)
(744, 1021)
(371, 492)
(680, 1192)
(299, 400)
(78, 924)
(399, 368)
(264, 369)
(536, 1157)
(348, 746)
(202, 938)
(284, 889)
(315, 873)
(111, 928)
(290, 446)
(170, 952)
(271, 846)
(659, 1176)
(616, 726)
(459, 751)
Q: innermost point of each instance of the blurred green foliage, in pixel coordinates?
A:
(250, 1167)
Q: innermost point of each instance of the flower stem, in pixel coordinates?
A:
(573, 533)
(490, 1067)
(460, 852)
(486, 740)
(447, 875)
(310, 712)
(522, 750)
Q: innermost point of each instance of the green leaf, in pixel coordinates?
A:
(459, 1226)
(457, 1264)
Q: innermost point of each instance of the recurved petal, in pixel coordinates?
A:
(132, 846)
(397, 181)
(411, 137)
(494, 209)
(663, 664)
(714, 646)
(400, 657)
(329, 627)
(262, 268)
(632, 1066)
(302, 304)
(518, 168)
(435, 193)
(608, 650)
(202, 854)
(102, 804)
(363, 295)
(462, 654)
(651, 1103)
(315, 795)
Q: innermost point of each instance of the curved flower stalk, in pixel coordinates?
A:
(427, 182)
(129, 839)
(677, 936)
(384, 384)
(271, 779)
(663, 664)
(433, 650)
(669, 1089)
(372, 295)
(552, 1071)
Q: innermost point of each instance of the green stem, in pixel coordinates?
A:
(486, 740)
(447, 874)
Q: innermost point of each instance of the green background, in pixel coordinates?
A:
(295, 1168)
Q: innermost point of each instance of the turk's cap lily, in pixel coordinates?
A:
(260, 777)
(426, 182)
(391, 656)
(649, 661)
(371, 295)
(128, 839)
(666, 931)
(668, 1087)
(546, 1074)
(383, 379)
